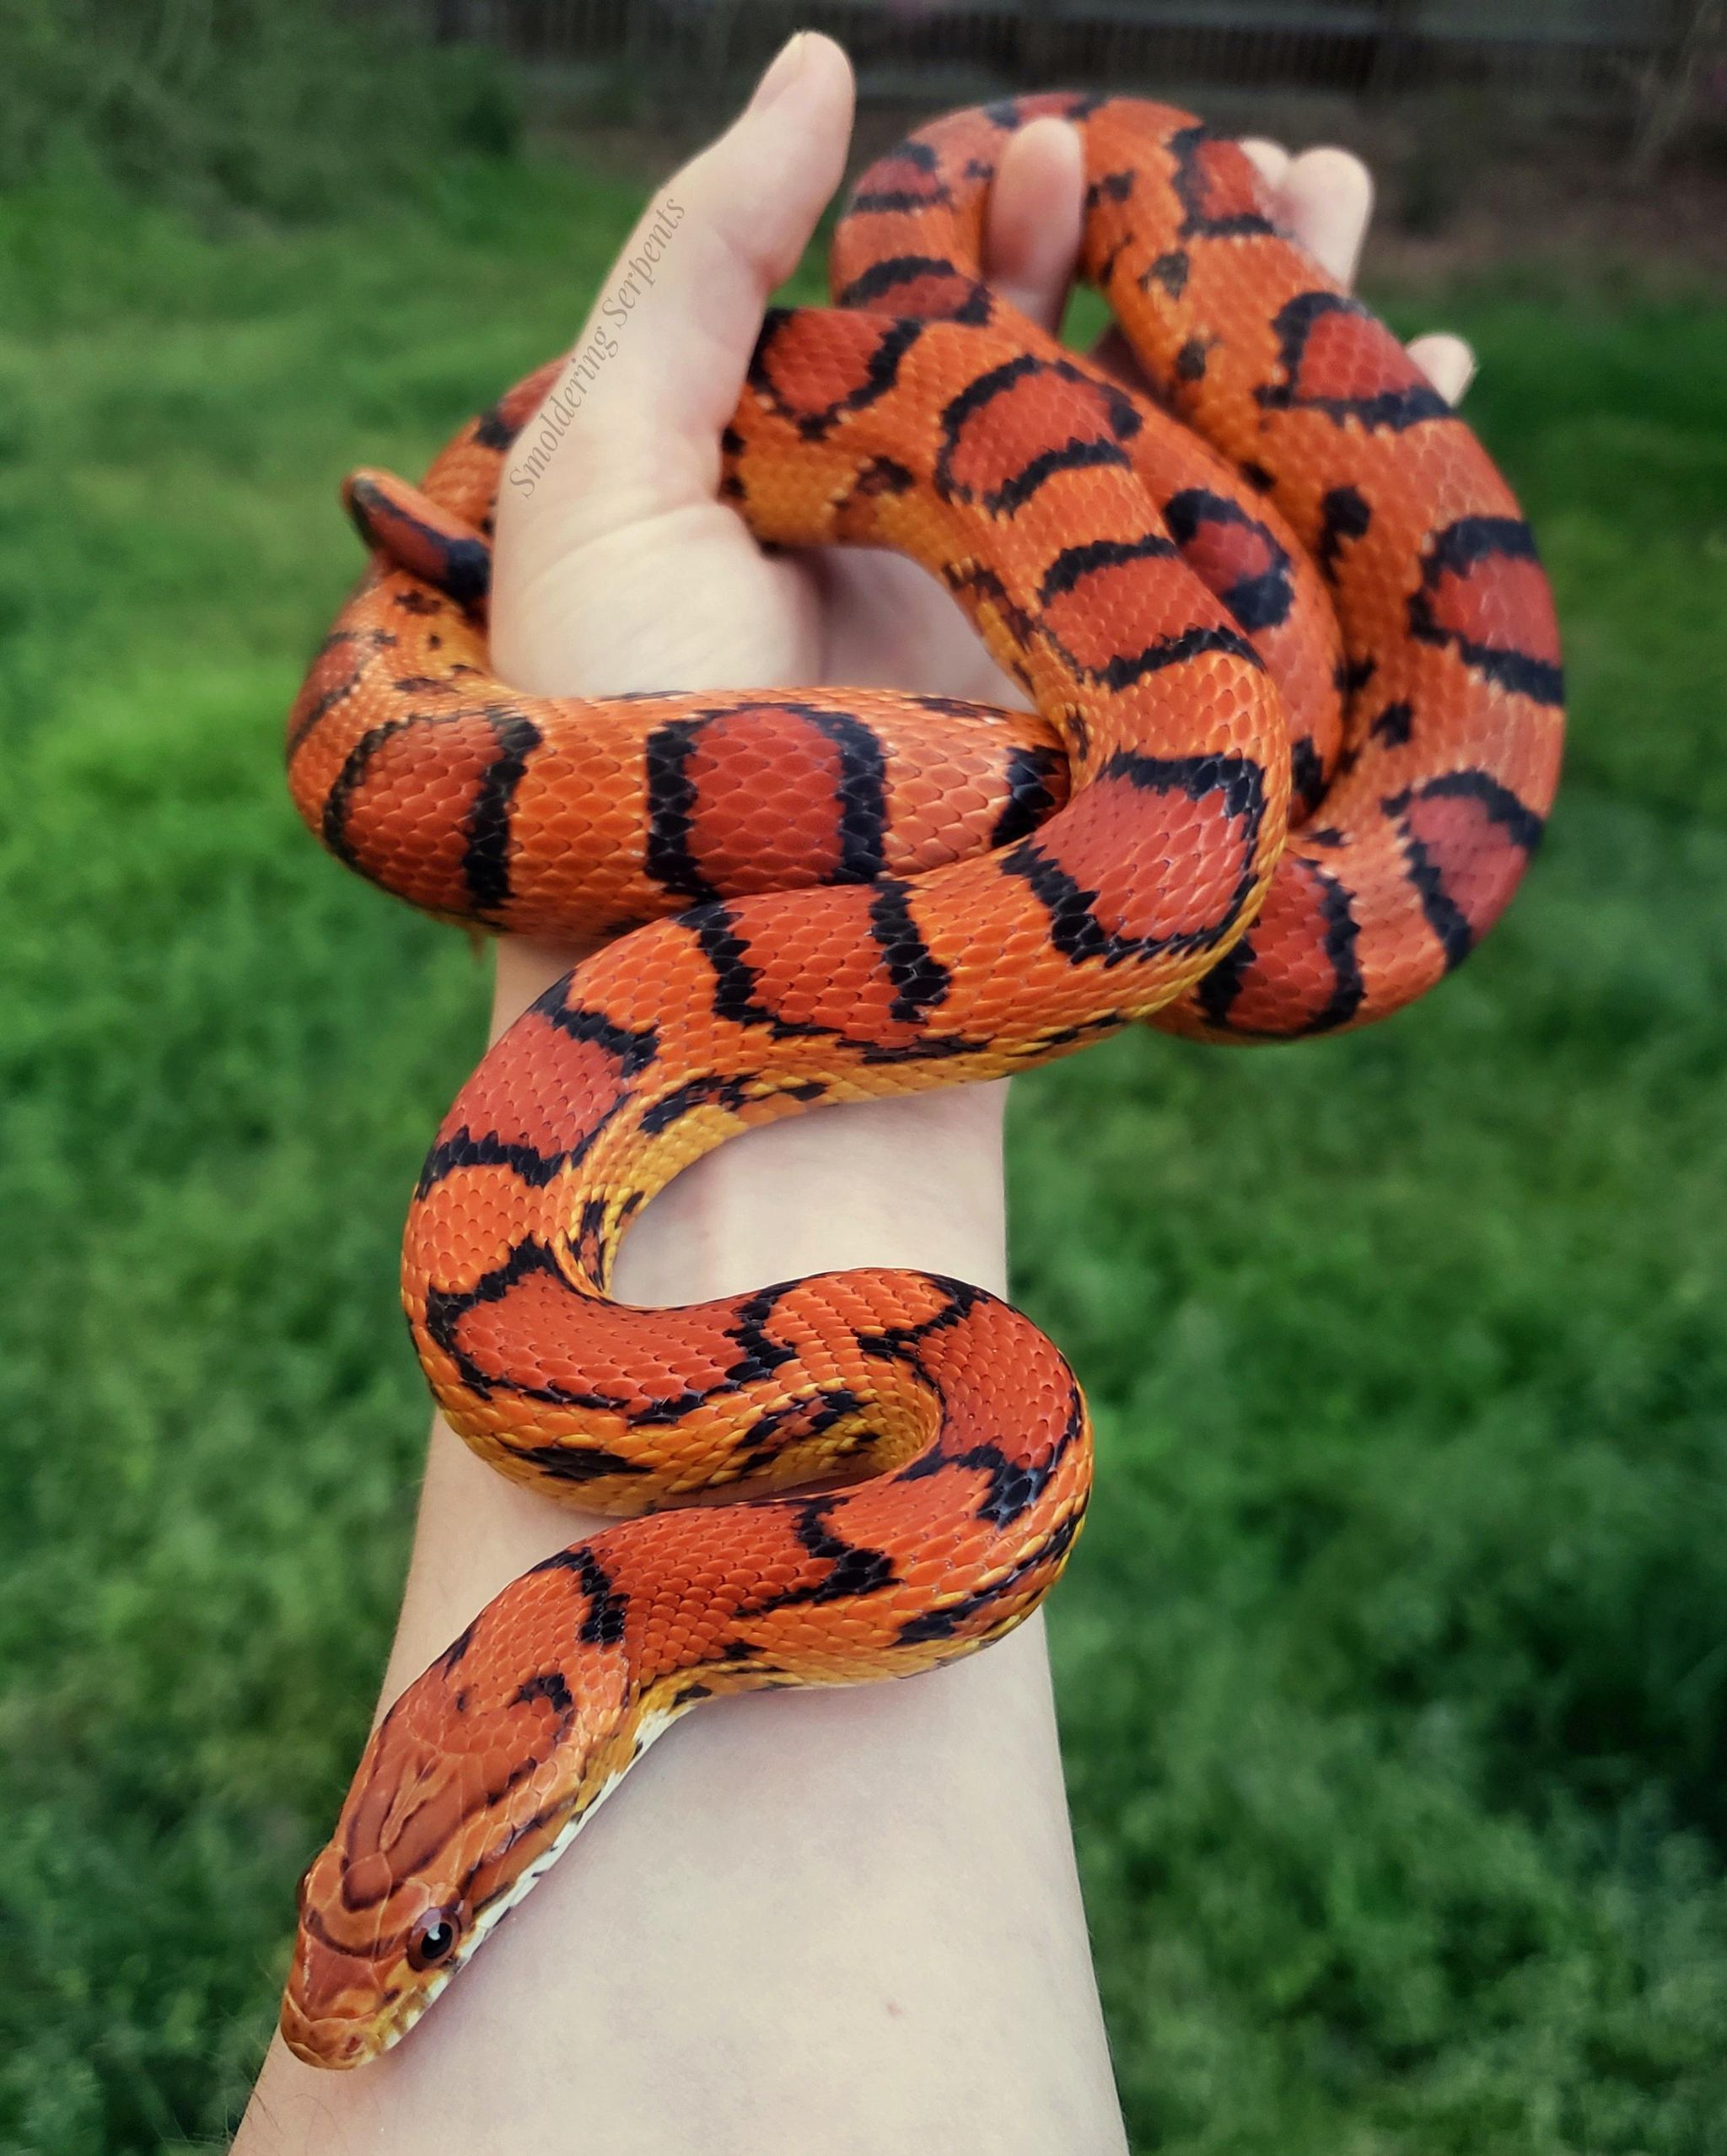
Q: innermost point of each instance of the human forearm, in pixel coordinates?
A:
(812, 1921)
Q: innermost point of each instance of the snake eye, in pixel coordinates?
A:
(432, 1939)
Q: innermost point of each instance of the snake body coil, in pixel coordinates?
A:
(1298, 723)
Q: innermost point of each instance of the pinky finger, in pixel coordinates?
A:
(1271, 158)
(1447, 361)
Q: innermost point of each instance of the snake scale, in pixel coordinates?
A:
(1297, 724)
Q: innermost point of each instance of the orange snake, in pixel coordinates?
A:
(1298, 722)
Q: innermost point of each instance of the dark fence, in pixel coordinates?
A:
(1585, 52)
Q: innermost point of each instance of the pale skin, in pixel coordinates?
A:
(839, 1923)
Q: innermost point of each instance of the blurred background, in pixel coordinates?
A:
(1392, 1669)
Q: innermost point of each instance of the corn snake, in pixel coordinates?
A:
(1297, 719)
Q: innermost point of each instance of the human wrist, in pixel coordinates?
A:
(914, 1179)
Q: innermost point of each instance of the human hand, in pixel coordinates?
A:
(620, 567)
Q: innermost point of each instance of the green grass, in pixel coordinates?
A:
(1393, 1667)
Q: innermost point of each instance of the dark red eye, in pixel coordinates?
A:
(432, 1939)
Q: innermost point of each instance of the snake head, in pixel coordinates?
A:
(471, 1786)
(347, 2001)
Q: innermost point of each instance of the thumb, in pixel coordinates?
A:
(632, 428)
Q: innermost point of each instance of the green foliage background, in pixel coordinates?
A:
(291, 108)
(1392, 1667)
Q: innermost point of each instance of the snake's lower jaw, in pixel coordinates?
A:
(329, 2043)
(351, 2051)
(340, 2011)
(338, 2042)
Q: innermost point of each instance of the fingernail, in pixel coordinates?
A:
(1461, 371)
(782, 70)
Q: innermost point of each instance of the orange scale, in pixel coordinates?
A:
(1011, 429)
(821, 1310)
(467, 1220)
(1161, 864)
(1117, 610)
(804, 1421)
(925, 1574)
(531, 1331)
(1223, 553)
(938, 293)
(812, 364)
(1292, 984)
(544, 1089)
(767, 782)
(1218, 183)
(696, 1348)
(407, 815)
(849, 992)
(330, 713)
(575, 839)
(908, 183)
(1503, 603)
(1478, 849)
(1347, 357)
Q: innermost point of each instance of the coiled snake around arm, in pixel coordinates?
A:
(1298, 722)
